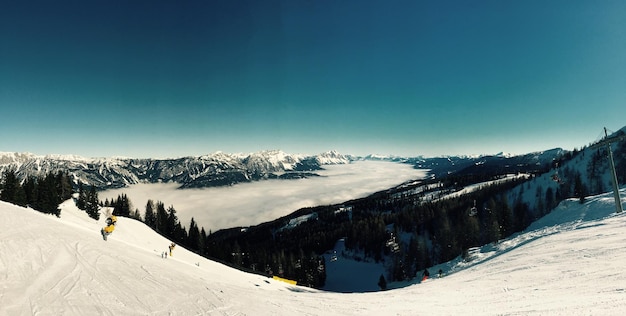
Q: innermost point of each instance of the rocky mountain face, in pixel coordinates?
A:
(216, 169)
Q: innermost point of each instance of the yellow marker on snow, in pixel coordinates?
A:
(292, 282)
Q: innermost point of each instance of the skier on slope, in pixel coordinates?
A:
(106, 231)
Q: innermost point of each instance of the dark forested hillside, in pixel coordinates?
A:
(412, 229)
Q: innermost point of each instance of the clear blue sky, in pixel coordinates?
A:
(176, 78)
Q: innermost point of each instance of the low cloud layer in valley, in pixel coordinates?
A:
(252, 203)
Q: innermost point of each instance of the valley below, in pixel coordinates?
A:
(252, 203)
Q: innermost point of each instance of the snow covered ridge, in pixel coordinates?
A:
(215, 169)
(223, 169)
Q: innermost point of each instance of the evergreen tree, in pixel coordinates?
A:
(136, 215)
(550, 200)
(150, 216)
(82, 197)
(492, 227)
(505, 217)
(445, 238)
(30, 189)
(11, 189)
(411, 258)
(580, 191)
(194, 236)
(471, 232)
(9, 186)
(180, 234)
(161, 219)
(48, 201)
(171, 222)
(121, 206)
(522, 217)
(203, 242)
(382, 283)
(20, 196)
(91, 205)
(64, 186)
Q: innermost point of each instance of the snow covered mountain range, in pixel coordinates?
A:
(216, 169)
(220, 169)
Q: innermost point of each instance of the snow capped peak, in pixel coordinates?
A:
(332, 158)
(215, 155)
(13, 157)
(69, 157)
(504, 155)
(331, 153)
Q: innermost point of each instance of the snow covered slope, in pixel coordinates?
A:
(568, 263)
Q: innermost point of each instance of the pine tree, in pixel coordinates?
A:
(382, 283)
(149, 216)
(30, 189)
(48, 197)
(82, 197)
(505, 217)
(9, 187)
(121, 206)
(203, 242)
(580, 191)
(171, 222)
(180, 234)
(126, 206)
(194, 236)
(491, 225)
(64, 186)
(136, 215)
(91, 205)
(550, 202)
(161, 218)
(20, 196)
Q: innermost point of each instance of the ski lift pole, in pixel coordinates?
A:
(607, 141)
(618, 200)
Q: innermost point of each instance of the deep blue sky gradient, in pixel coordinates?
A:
(177, 78)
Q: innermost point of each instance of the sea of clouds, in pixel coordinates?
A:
(247, 204)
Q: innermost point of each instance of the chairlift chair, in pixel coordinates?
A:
(473, 210)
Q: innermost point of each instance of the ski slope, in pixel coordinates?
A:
(570, 262)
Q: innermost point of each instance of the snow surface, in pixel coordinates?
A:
(568, 263)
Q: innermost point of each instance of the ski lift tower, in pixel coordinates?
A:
(607, 142)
